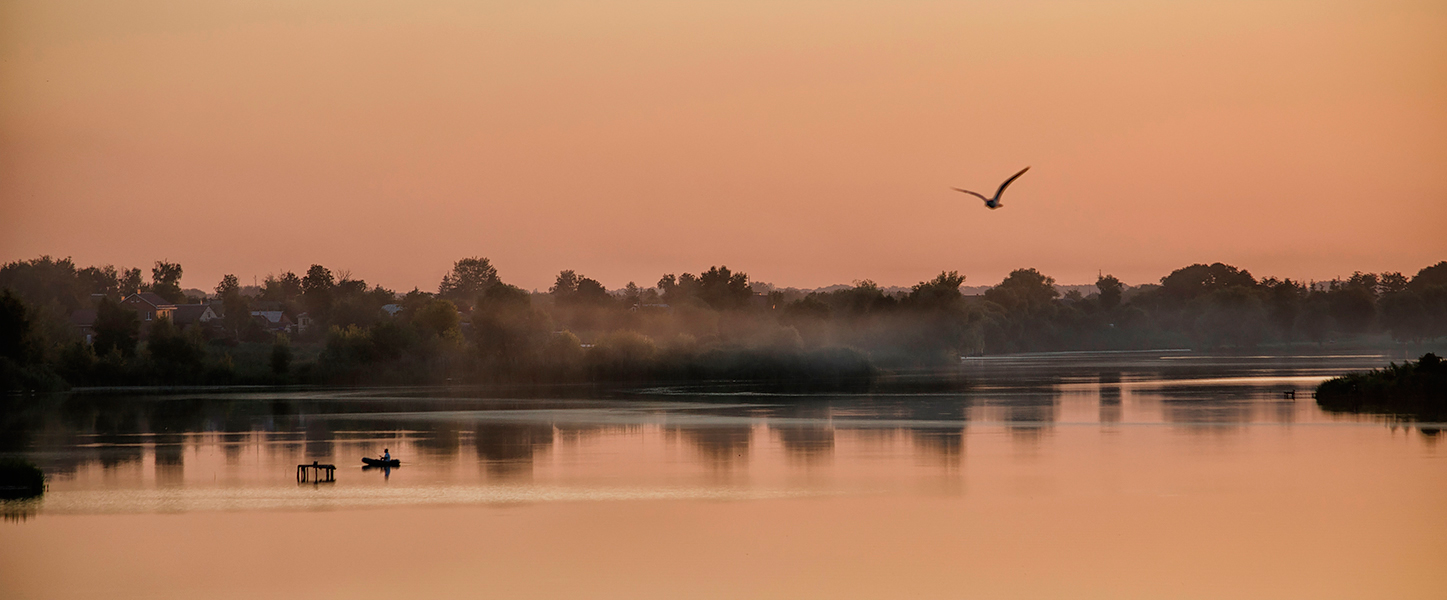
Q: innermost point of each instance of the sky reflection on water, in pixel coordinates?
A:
(218, 450)
(1097, 476)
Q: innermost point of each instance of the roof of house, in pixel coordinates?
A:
(272, 316)
(150, 298)
(186, 314)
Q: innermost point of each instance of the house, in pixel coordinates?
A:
(303, 322)
(274, 320)
(391, 309)
(194, 314)
(84, 322)
(149, 306)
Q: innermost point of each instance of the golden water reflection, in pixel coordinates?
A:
(1087, 478)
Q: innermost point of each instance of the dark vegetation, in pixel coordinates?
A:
(20, 479)
(325, 327)
(1414, 390)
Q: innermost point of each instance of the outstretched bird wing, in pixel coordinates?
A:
(971, 193)
(1009, 181)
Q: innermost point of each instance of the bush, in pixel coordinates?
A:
(1417, 390)
(19, 479)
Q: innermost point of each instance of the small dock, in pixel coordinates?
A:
(316, 472)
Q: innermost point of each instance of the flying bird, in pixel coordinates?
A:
(994, 203)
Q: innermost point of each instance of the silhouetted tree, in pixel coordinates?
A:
(723, 289)
(235, 307)
(1198, 279)
(1231, 316)
(1111, 290)
(284, 289)
(129, 282)
(117, 328)
(1353, 304)
(100, 280)
(1435, 275)
(166, 281)
(438, 317)
(316, 290)
(17, 337)
(573, 289)
(43, 281)
(1404, 314)
(940, 292)
(1024, 290)
(1284, 299)
(177, 355)
(469, 278)
(1391, 282)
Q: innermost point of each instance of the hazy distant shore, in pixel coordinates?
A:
(106, 328)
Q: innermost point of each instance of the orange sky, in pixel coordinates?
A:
(806, 143)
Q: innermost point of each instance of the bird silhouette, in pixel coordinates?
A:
(994, 203)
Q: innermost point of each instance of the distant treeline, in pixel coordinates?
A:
(716, 324)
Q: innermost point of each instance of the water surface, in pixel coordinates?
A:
(1167, 474)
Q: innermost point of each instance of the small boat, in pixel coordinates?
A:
(377, 462)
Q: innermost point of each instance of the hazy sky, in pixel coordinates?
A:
(806, 143)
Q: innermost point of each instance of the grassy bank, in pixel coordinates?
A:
(1416, 390)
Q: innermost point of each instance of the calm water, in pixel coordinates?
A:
(1059, 476)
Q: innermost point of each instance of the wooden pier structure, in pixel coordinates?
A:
(316, 472)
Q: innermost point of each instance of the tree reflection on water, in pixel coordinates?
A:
(164, 439)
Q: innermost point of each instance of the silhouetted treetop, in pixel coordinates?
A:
(316, 288)
(1023, 290)
(1111, 290)
(166, 281)
(1198, 279)
(570, 288)
(942, 291)
(1435, 275)
(286, 288)
(718, 287)
(469, 278)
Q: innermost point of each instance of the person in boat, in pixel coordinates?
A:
(386, 455)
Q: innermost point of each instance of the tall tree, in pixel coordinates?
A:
(469, 278)
(1434, 275)
(438, 317)
(565, 285)
(100, 280)
(571, 288)
(1198, 279)
(166, 281)
(117, 327)
(45, 281)
(286, 288)
(129, 282)
(177, 355)
(1111, 290)
(228, 286)
(723, 289)
(17, 337)
(1391, 282)
(235, 307)
(316, 288)
(940, 292)
(1024, 290)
